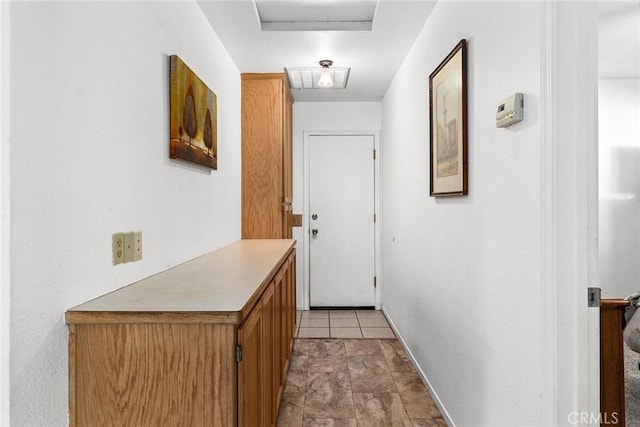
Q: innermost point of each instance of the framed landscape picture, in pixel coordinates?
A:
(448, 124)
(193, 134)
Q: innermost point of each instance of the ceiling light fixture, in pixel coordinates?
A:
(325, 82)
(308, 78)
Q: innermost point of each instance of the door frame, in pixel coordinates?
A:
(306, 209)
(569, 198)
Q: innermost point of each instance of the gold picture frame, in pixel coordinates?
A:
(448, 125)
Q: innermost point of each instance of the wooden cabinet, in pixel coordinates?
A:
(612, 324)
(268, 332)
(250, 339)
(164, 350)
(267, 185)
(269, 386)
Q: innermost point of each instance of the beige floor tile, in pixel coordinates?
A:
(327, 356)
(344, 323)
(397, 358)
(346, 333)
(370, 374)
(313, 333)
(330, 422)
(415, 396)
(428, 422)
(295, 383)
(373, 322)
(329, 381)
(326, 348)
(291, 410)
(342, 314)
(377, 333)
(328, 364)
(369, 313)
(380, 409)
(313, 322)
(300, 347)
(328, 395)
(363, 348)
(315, 314)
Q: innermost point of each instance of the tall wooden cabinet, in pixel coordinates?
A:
(267, 185)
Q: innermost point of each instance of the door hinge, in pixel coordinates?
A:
(375, 281)
(374, 218)
(593, 297)
(374, 154)
(238, 353)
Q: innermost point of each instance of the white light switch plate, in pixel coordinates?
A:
(137, 246)
(128, 246)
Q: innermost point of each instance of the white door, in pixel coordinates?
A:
(341, 221)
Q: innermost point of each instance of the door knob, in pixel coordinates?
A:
(314, 216)
(314, 231)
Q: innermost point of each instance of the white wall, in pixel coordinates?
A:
(326, 117)
(461, 276)
(89, 157)
(619, 164)
(5, 294)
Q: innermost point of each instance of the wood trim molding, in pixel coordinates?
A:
(264, 76)
(109, 317)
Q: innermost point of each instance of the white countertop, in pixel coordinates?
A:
(221, 281)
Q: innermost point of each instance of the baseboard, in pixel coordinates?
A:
(421, 374)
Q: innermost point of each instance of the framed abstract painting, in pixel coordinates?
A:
(193, 134)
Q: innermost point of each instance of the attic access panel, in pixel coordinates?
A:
(316, 15)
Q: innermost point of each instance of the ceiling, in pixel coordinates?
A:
(619, 39)
(374, 56)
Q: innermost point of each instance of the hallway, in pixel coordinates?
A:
(354, 382)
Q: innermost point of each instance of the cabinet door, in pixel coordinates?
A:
(262, 175)
(291, 296)
(277, 331)
(284, 325)
(269, 385)
(250, 413)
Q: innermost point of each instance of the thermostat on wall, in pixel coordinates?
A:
(510, 110)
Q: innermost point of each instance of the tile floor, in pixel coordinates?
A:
(354, 382)
(343, 324)
(350, 382)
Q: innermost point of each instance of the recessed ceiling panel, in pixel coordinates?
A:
(316, 15)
